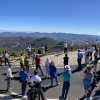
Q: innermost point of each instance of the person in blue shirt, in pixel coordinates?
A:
(34, 55)
(6, 56)
(66, 84)
(79, 59)
(25, 78)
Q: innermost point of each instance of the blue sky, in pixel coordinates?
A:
(70, 16)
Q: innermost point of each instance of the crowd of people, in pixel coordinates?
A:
(51, 69)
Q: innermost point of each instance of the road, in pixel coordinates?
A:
(76, 91)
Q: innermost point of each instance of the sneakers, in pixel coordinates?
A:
(60, 97)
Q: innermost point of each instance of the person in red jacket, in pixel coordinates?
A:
(37, 61)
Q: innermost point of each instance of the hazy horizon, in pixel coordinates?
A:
(66, 16)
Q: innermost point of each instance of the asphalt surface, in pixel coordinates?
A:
(76, 91)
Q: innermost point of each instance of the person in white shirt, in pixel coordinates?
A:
(65, 47)
(29, 51)
(91, 51)
(9, 76)
(72, 44)
(96, 43)
(6, 56)
(36, 78)
(47, 63)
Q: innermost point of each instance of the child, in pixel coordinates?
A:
(47, 63)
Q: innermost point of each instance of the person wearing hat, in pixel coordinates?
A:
(66, 84)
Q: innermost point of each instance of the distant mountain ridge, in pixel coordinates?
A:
(77, 38)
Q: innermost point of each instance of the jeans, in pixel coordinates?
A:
(1, 61)
(24, 84)
(21, 65)
(91, 56)
(95, 47)
(86, 60)
(6, 59)
(79, 63)
(66, 86)
(47, 71)
(38, 66)
(29, 53)
(52, 80)
(8, 83)
(65, 50)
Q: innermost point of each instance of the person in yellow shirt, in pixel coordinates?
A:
(21, 60)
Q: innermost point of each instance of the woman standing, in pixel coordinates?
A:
(42, 48)
(47, 63)
(87, 80)
(53, 72)
(46, 49)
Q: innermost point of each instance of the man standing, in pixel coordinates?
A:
(36, 78)
(37, 60)
(6, 58)
(26, 63)
(65, 47)
(65, 60)
(25, 78)
(21, 60)
(29, 51)
(96, 43)
(9, 76)
(80, 56)
(91, 51)
(1, 58)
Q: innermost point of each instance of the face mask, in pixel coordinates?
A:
(11, 67)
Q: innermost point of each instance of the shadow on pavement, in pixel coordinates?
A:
(3, 91)
(76, 70)
(12, 73)
(46, 88)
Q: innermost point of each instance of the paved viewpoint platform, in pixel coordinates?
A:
(76, 91)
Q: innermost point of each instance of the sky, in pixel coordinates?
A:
(69, 16)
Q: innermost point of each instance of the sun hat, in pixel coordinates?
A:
(67, 67)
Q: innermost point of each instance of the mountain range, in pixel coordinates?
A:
(21, 40)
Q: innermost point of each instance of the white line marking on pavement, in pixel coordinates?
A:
(35, 67)
(18, 94)
(92, 97)
(52, 99)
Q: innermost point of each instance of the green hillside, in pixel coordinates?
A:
(20, 43)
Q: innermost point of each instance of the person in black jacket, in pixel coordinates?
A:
(66, 58)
